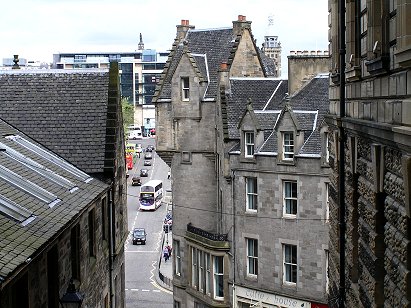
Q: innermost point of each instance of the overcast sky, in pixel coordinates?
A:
(36, 29)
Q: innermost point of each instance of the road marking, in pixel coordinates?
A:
(161, 288)
(147, 251)
(156, 291)
(144, 290)
(133, 289)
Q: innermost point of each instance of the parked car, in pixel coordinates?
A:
(147, 163)
(148, 156)
(139, 236)
(135, 181)
(149, 149)
(143, 172)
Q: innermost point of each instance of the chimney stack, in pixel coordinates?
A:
(240, 24)
(183, 28)
(16, 65)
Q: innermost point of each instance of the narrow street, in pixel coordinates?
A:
(141, 261)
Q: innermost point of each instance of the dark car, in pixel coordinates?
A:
(135, 181)
(148, 156)
(168, 222)
(139, 236)
(147, 163)
(143, 172)
(149, 149)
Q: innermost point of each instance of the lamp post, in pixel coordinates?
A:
(72, 298)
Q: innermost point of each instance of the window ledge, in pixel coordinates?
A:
(377, 66)
(289, 216)
(251, 277)
(251, 212)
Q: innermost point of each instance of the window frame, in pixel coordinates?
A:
(177, 258)
(185, 89)
(289, 264)
(253, 195)
(252, 256)
(249, 145)
(288, 155)
(218, 276)
(290, 198)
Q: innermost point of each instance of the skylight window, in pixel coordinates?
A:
(51, 158)
(38, 168)
(15, 211)
(29, 187)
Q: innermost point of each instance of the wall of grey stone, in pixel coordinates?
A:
(309, 231)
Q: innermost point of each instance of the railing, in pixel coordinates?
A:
(206, 234)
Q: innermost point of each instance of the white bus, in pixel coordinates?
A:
(151, 195)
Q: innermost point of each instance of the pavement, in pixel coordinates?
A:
(164, 275)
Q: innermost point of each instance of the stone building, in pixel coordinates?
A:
(77, 115)
(221, 124)
(370, 150)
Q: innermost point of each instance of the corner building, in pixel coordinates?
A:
(248, 179)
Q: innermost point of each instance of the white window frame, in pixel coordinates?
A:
(288, 265)
(249, 142)
(201, 271)
(288, 146)
(185, 88)
(207, 258)
(252, 256)
(177, 258)
(327, 152)
(217, 275)
(194, 268)
(327, 202)
(327, 279)
(251, 195)
(291, 198)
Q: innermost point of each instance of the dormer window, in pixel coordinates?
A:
(327, 152)
(249, 144)
(185, 88)
(288, 146)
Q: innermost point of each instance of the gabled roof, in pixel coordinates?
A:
(307, 107)
(58, 107)
(40, 193)
(209, 48)
(263, 92)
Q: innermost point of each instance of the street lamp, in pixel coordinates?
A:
(72, 298)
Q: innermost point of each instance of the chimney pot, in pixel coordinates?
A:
(223, 66)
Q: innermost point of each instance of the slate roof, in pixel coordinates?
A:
(20, 239)
(262, 92)
(58, 107)
(309, 107)
(218, 45)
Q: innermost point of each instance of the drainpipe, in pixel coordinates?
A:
(341, 163)
(234, 234)
(111, 246)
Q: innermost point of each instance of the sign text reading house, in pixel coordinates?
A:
(273, 299)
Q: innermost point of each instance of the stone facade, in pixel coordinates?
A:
(200, 139)
(377, 150)
(97, 149)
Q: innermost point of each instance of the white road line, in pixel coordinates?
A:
(143, 251)
(144, 290)
(161, 288)
(156, 291)
(133, 289)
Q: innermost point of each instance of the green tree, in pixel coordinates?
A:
(128, 113)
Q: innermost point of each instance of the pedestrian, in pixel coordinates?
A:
(168, 174)
(169, 250)
(165, 254)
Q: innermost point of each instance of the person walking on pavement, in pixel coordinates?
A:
(169, 250)
(165, 253)
(168, 174)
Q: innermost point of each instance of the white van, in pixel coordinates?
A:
(134, 132)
